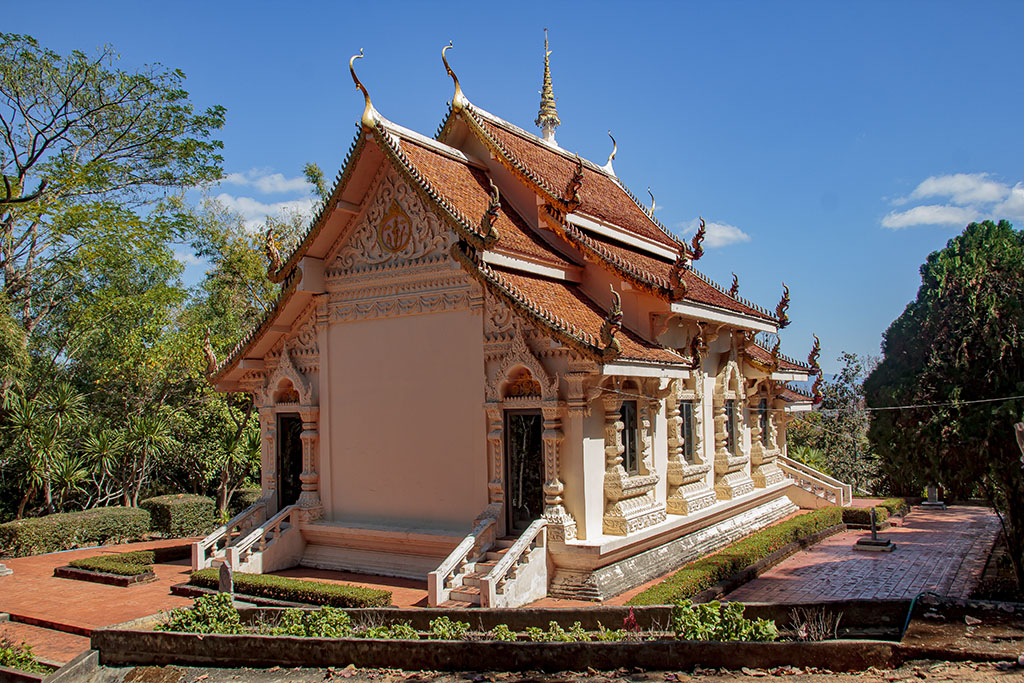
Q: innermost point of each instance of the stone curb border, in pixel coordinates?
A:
(78, 574)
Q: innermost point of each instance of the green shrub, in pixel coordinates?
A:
(706, 572)
(715, 621)
(326, 622)
(181, 514)
(503, 633)
(64, 531)
(297, 590)
(15, 656)
(895, 506)
(208, 614)
(862, 516)
(444, 628)
(242, 499)
(112, 564)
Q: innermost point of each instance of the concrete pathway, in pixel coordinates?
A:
(936, 550)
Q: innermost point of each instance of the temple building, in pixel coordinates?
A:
(492, 368)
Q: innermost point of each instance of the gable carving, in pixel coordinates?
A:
(397, 227)
(286, 383)
(510, 381)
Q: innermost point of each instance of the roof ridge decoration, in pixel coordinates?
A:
(572, 191)
(607, 168)
(800, 392)
(459, 100)
(209, 355)
(735, 288)
(369, 118)
(697, 245)
(611, 326)
(780, 310)
(272, 252)
(746, 302)
(426, 189)
(490, 216)
(561, 329)
(650, 212)
(812, 360)
(676, 282)
(698, 348)
(547, 117)
(762, 344)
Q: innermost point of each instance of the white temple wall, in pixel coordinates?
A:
(659, 444)
(407, 438)
(589, 525)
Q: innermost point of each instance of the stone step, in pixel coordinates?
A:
(505, 542)
(458, 604)
(466, 594)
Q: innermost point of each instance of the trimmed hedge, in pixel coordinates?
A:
(242, 499)
(706, 572)
(862, 516)
(181, 514)
(895, 506)
(296, 590)
(68, 530)
(134, 562)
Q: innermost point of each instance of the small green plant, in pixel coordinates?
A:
(16, 656)
(326, 622)
(557, 634)
(208, 614)
(444, 628)
(607, 635)
(717, 621)
(503, 633)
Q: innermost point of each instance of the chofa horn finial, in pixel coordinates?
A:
(369, 113)
(458, 99)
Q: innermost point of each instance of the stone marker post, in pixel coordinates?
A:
(874, 526)
(4, 571)
(226, 579)
(933, 501)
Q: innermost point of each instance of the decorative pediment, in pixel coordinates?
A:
(396, 228)
(729, 382)
(286, 384)
(521, 374)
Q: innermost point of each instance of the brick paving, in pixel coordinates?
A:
(48, 645)
(936, 550)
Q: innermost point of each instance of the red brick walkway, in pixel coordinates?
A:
(936, 550)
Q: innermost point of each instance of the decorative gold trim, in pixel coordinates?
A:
(458, 99)
(369, 117)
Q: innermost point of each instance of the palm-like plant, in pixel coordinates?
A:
(148, 437)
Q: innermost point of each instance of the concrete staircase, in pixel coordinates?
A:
(465, 584)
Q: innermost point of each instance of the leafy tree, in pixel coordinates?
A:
(955, 352)
(836, 434)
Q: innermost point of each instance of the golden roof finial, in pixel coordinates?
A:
(458, 99)
(369, 113)
(547, 118)
(653, 206)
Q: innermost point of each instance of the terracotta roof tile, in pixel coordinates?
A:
(602, 196)
(468, 189)
(791, 394)
(758, 353)
(567, 301)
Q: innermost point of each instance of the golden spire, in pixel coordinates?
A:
(458, 99)
(611, 157)
(547, 118)
(369, 113)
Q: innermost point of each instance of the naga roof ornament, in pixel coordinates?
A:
(612, 324)
(675, 276)
(490, 216)
(272, 252)
(698, 348)
(458, 99)
(547, 117)
(815, 354)
(780, 310)
(775, 360)
(369, 118)
(735, 289)
(575, 183)
(697, 244)
(211, 357)
(607, 168)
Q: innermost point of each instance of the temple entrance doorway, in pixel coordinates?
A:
(289, 459)
(524, 468)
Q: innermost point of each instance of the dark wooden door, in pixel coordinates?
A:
(289, 459)
(524, 469)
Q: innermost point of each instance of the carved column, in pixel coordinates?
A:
(268, 456)
(561, 525)
(630, 504)
(731, 479)
(688, 490)
(764, 470)
(495, 462)
(309, 498)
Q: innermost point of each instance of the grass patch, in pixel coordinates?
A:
(296, 590)
(706, 572)
(132, 563)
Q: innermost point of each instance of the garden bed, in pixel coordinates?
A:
(95, 576)
(121, 569)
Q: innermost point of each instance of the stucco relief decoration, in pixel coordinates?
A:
(731, 477)
(397, 225)
(499, 319)
(688, 489)
(522, 384)
(519, 357)
(286, 379)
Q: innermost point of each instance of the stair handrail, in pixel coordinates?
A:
(489, 584)
(437, 580)
(842, 491)
(243, 548)
(223, 532)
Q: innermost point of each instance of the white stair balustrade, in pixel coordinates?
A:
(451, 573)
(226, 535)
(816, 482)
(520, 572)
(275, 544)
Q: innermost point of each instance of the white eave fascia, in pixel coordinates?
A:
(717, 315)
(571, 274)
(439, 147)
(799, 407)
(608, 230)
(790, 376)
(641, 369)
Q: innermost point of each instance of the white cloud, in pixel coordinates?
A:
(186, 257)
(969, 197)
(962, 188)
(255, 212)
(930, 214)
(718, 234)
(268, 183)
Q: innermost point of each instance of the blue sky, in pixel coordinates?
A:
(831, 145)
